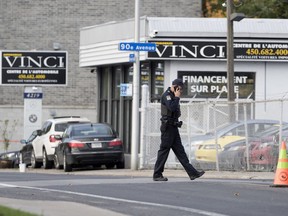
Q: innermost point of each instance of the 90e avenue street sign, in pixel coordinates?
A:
(35, 68)
(147, 47)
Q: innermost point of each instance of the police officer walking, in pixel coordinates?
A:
(170, 137)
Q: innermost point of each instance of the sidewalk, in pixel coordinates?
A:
(177, 173)
(51, 208)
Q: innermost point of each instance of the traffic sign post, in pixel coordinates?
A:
(135, 101)
(132, 57)
(136, 47)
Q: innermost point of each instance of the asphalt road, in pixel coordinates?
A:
(140, 196)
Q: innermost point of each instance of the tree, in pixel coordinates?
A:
(7, 132)
(213, 8)
(251, 8)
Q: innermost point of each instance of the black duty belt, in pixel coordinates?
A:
(174, 123)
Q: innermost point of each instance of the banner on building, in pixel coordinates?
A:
(37, 68)
(216, 50)
(214, 84)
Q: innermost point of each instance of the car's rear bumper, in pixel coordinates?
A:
(94, 158)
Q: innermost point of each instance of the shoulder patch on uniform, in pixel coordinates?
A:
(168, 97)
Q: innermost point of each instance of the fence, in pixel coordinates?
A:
(219, 136)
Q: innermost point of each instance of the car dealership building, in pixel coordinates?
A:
(193, 49)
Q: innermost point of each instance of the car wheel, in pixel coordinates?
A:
(46, 163)
(67, 167)
(15, 165)
(34, 163)
(110, 165)
(97, 166)
(21, 158)
(56, 162)
(120, 165)
(239, 162)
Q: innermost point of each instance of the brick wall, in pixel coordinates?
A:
(36, 25)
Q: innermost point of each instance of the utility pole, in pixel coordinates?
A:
(135, 102)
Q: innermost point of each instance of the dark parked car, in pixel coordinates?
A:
(89, 144)
(27, 149)
(263, 151)
(9, 159)
(262, 156)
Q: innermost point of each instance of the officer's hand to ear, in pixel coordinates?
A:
(177, 91)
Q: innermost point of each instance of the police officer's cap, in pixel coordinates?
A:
(177, 82)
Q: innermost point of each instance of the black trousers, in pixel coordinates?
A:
(170, 139)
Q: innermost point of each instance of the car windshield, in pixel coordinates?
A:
(270, 131)
(61, 127)
(224, 128)
(9, 155)
(92, 130)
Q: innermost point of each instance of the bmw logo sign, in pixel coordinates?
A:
(33, 118)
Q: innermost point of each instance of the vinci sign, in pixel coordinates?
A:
(33, 68)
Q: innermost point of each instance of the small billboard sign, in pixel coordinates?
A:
(37, 68)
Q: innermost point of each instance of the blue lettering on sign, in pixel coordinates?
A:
(126, 89)
(123, 89)
(148, 47)
(33, 95)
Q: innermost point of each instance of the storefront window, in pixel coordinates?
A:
(129, 79)
(152, 74)
(116, 82)
(157, 87)
(104, 84)
(145, 73)
(104, 94)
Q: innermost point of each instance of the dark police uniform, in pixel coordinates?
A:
(170, 138)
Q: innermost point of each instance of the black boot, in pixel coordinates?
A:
(198, 175)
(160, 178)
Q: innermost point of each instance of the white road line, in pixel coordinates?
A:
(191, 210)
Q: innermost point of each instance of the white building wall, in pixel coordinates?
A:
(270, 81)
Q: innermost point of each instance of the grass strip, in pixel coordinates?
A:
(6, 211)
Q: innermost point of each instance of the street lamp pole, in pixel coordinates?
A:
(231, 17)
(230, 53)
